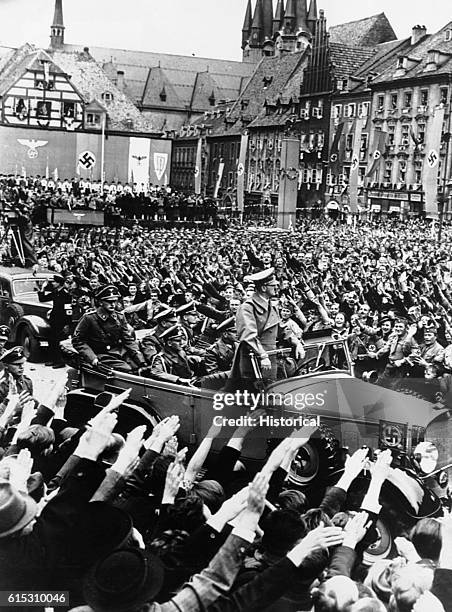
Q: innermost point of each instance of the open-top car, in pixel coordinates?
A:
(348, 414)
(22, 311)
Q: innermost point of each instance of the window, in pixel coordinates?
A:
(394, 100)
(402, 171)
(418, 172)
(349, 110)
(43, 109)
(93, 118)
(391, 134)
(363, 145)
(421, 133)
(405, 134)
(407, 98)
(448, 35)
(444, 92)
(20, 109)
(212, 99)
(107, 97)
(380, 103)
(424, 97)
(388, 172)
(162, 95)
(363, 109)
(244, 104)
(337, 111)
(349, 142)
(69, 110)
(400, 61)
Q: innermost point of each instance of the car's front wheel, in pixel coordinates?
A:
(30, 344)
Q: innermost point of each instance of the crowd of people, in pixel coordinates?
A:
(132, 523)
(117, 200)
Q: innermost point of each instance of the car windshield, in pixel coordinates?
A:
(323, 357)
(27, 285)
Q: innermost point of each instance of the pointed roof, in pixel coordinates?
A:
(312, 14)
(301, 14)
(205, 88)
(278, 20)
(157, 81)
(267, 9)
(366, 32)
(258, 20)
(248, 19)
(58, 15)
(290, 12)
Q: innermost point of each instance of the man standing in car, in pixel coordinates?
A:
(60, 316)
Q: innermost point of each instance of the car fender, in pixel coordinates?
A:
(37, 325)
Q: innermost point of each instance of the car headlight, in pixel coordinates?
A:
(426, 454)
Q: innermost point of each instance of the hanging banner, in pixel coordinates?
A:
(219, 177)
(241, 172)
(335, 162)
(378, 149)
(160, 162)
(139, 149)
(354, 168)
(431, 163)
(198, 167)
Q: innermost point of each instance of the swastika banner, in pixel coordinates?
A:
(431, 163)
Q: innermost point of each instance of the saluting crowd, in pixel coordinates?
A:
(132, 523)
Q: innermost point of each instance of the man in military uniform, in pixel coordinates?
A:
(151, 343)
(60, 316)
(219, 356)
(259, 328)
(103, 337)
(14, 383)
(4, 335)
(172, 364)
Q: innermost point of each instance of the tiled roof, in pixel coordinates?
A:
(91, 81)
(419, 51)
(180, 70)
(15, 65)
(366, 32)
(347, 60)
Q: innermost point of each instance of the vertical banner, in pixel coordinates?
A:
(219, 177)
(335, 161)
(241, 172)
(198, 167)
(88, 152)
(288, 184)
(354, 168)
(160, 162)
(378, 149)
(431, 163)
(139, 149)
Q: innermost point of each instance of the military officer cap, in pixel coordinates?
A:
(108, 292)
(172, 333)
(4, 332)
(226, 325)
(165, 315)
(262, 277)
(57, 278)
(189, 308)
(13, 356)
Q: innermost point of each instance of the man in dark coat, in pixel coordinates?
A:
(172, 364)
(60, 316)
(103, 337)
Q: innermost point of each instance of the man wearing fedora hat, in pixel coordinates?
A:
(259, 327)
(103, 337)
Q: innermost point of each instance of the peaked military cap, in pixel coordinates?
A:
(185, 309)
(14, 355)
(226, 325)
(57, 278)
(164, 315)
(172, 333)
(108, 292)
(264, 276)
(4, 331)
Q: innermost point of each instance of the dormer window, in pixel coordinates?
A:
(107, 97)
(267, 81)
(342, 84)
(162, 95)
(244, 104)
(212, 99)
(401, 62)
(448, 35)
(93, 119)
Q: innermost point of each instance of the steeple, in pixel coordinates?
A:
(278, 20)
(312, 16)
(267, 14)
(57, 27)
(257, 27)
(290, 17)
(246, 30)
(301, 12)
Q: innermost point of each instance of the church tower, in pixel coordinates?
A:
(57, 27)
(257, 31)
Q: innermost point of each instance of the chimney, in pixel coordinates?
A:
(120, 80)
(418, 33)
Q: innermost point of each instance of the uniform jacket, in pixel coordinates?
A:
(96, 334)
(171, 366)
(61, 313)
(219, 357)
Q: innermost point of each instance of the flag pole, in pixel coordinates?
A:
(102, 155)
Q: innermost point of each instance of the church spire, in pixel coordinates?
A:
(257, 27)
(290, 17)
(57, 27)
(267, 14)
(278, 20)
(301, 12)
(312, 16)
(246, 30)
